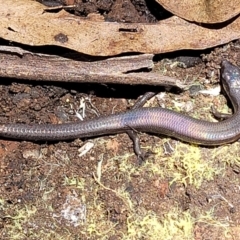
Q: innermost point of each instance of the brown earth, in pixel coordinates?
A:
(181, 191)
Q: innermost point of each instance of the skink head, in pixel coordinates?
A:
(231, 79)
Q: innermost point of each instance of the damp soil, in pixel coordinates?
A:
(96, 188)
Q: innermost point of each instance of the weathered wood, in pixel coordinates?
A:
(20, 64)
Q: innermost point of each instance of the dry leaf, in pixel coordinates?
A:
(26, 22)
(203, 11)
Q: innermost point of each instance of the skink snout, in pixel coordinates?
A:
(230, 75)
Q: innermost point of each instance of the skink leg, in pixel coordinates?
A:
(136, 146)
(143, 99)
(220, 115)
(132, 134)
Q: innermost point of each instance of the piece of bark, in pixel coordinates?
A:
(22, 64)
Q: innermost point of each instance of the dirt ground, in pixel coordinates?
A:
(95, 188)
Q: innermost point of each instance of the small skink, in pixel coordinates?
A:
(153, 120)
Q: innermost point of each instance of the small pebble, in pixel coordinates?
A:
(33, 153)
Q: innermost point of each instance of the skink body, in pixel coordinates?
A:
(154, 120)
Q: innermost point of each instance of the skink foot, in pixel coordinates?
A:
(219, 115)
(143, 99)
(136, 146)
